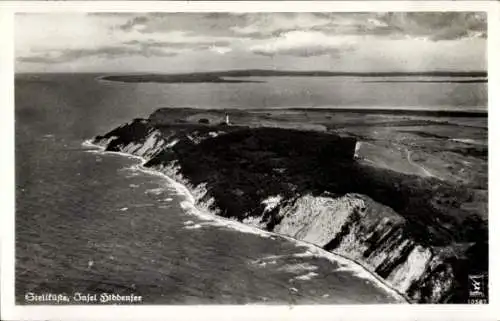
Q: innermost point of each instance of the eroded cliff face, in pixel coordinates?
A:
(270, 189)
(362, 230)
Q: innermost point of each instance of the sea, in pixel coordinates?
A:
(93, 222)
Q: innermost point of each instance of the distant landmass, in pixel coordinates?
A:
(458, 81)
(179, 78)
(222, 76)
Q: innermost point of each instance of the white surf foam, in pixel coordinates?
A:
(265, 261)
(272, 259)
(262, 264)
(304, 254)
(88, 143)
(101, 151)
(300, 267)
(155, 191)
(306, 277)
(143, 205)
(132, 175)
(192, 227)
(353, 267)
(189, 204)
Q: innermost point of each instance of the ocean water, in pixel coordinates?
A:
(91, 222)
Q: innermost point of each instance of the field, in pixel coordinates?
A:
(450, 148)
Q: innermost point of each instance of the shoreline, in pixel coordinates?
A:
(355, 268)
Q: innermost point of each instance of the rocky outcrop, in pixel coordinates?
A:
(307, 186)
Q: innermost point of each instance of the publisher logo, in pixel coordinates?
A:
(477, 289)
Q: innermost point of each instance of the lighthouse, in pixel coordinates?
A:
(356, 150)
(227, 119)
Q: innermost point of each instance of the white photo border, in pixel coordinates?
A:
(9, 311)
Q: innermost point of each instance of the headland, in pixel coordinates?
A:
(405, 196)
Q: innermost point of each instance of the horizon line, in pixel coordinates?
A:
(475, 73)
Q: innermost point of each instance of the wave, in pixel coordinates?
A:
(306, 277)
(189, 205)
(192, 227)
(300, 267)
(155, 191)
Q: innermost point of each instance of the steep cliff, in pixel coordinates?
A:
(415, 233)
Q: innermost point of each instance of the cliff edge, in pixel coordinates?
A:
(419, 234)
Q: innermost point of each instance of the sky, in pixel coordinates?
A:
(193, 42)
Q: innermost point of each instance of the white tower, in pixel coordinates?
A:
(227, 119)
(356, 150)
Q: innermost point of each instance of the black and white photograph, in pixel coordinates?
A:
(251, 158)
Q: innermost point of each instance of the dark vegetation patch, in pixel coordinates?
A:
(399, 112)
(136, 131)
(459, 81)
(312, 162)
(478, 151)
(344, 231)
(245, 160)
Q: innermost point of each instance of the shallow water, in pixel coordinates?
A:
(88, 222)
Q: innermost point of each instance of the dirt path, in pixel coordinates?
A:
(412, 163)
(392, 158)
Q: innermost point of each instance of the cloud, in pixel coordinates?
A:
(182, 42)
(136, 23)
(48, 32)
(56, 38)
(233, 39)
(206, 24)
(438, 26)
(110, 52)
(434, 26)
(266, 25)
(304, 44)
